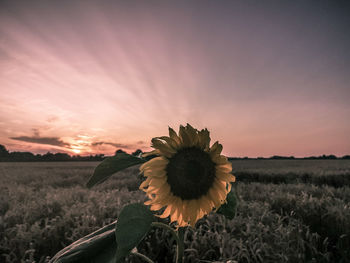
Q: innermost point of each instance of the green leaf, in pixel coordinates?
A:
(111, 165)
(133, 224)
(228, 209)
(99, 246)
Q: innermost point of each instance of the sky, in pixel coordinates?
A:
(86, 77)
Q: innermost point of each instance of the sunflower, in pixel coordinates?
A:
(188, 178)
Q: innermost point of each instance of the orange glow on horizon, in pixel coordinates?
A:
(77, 151)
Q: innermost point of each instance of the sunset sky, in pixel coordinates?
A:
(265, 77)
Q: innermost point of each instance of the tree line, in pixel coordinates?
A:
(278, 157)
(6, 156)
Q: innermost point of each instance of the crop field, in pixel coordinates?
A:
(288, 211)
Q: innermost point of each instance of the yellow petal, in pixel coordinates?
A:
(200, 214)
(172, 143)
(151, 190)
(163, 148)
(225, 168)
(151, 169)
(145, 183)
(174, 136)
(215, 149)
(157, 162)
(156, 207)
(192, 207)
(186, 141)
(192, 211)
(175, 210)
(179, 219)
(164, 190)
(157, 182)
(185, 209)
(155, 173)
(166, 212)
(205, 204)
(227, 177)
(154, 152)
(214, 197)
(191, 135)
(200, 211)
(220, 189)
(204, 139)
(220, 159)
(163, 200)
(182, 223)
(149, 202)
(180, 210)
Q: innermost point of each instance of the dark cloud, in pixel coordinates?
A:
(52, 119)
(36, 132)
(41, 140)
(117, 145)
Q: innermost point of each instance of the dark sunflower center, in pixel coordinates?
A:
(191, 173)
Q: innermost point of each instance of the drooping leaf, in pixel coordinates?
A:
(133, 224)
(111, 165)
(97, 247)
(228, 209)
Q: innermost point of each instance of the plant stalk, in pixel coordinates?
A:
(145, 258)
(179, 237)
(180, 245)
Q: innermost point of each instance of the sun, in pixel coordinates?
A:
(76, 150)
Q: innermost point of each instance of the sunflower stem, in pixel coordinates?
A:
(179, 237)
(145, 258)
(180, 245)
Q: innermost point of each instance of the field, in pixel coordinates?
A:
(289, 211)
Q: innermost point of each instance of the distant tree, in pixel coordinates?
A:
(311, 157)
(47, 156)
(332, 156)
(61, 157)
(277, 157)
(328, 156)
(137, 152)
(346, 157)
(119, 151)
(98, 157)
(22, 156)
(3, 151)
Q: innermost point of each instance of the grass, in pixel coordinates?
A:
(318, 172)
(46, 206)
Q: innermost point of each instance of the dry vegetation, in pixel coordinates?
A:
(289, 211)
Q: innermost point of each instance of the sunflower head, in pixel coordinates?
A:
(188, 177)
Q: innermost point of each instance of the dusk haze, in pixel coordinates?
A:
(90, 77)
